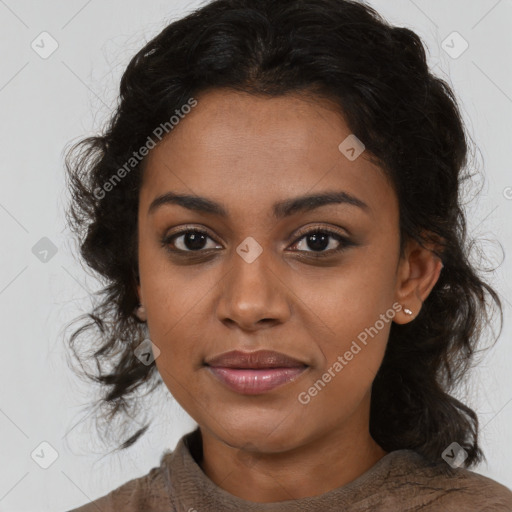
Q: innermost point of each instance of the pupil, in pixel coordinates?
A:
(194, 241)
(318, 241)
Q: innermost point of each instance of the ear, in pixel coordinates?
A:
(140, 311)
(417, 273)
(136, 285)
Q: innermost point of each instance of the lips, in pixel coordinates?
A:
(254, 373)
(254, 360)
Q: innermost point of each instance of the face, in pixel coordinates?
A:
(268, 269)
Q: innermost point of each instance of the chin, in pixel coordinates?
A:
(261, 432)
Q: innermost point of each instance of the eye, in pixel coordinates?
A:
(318, 240)
(194, 240)
(190, 240)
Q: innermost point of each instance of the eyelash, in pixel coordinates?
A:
(344, 242)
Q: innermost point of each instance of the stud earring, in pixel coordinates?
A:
(407, 311)
(140, 312)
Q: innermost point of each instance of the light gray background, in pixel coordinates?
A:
(46, 103)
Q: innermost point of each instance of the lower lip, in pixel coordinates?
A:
(255, 382)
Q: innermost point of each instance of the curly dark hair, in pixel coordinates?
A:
(410, 123)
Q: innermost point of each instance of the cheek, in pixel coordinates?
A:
(353, 298)
(176, 305)
(357, 309)
(354, 357)
(337, 388)
(170, 292)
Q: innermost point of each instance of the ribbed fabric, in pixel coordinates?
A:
(402, 481)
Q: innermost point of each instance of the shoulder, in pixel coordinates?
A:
(148, 493)
(437, 486)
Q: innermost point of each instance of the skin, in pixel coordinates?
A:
(248, 153)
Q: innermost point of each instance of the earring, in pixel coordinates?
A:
(407, 311)
(140, 312)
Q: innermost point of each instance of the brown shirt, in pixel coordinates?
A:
(402, 481)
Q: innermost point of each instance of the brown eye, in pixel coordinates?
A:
(190, 240)
(317, 241)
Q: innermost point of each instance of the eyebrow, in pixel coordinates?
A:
(281, 209)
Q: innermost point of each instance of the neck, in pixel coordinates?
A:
(332, 460)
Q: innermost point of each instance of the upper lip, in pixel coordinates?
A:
(259, 359)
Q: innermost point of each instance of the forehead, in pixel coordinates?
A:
(250, 151)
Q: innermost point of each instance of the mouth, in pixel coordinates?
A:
(254, 373)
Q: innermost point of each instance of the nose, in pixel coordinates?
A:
(252, 295)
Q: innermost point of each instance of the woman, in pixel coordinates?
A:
(275, 207)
